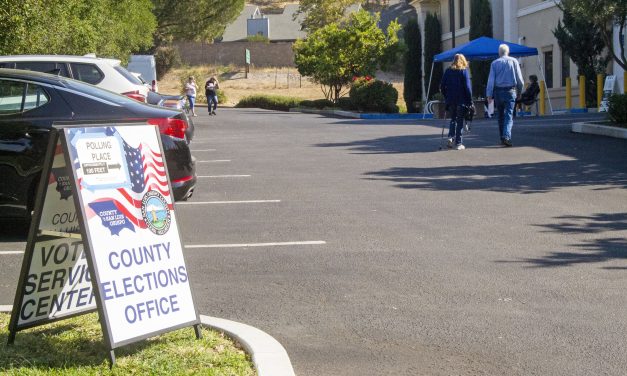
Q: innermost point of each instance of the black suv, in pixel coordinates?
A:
(31, 102)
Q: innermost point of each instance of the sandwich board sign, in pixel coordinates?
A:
(608, 90)
(105, 237)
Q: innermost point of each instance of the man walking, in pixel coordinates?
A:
(505, 83)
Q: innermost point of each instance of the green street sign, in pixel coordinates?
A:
(247, 56)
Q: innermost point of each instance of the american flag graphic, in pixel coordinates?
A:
(146, 172)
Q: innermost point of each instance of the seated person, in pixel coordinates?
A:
(529, 95)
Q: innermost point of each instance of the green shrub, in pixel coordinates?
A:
(374, 96)
(346, 104)
(269, 102)
(318, 103)
(166, 58)
(618, 109)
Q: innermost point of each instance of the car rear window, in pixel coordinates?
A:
(11, 95)
(87, 73)
(50, 67)
(16, 97)
(128, 75)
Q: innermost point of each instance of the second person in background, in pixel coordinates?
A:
(457, 93)
(211, 92)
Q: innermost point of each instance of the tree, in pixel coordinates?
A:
(193, 20)
(480, 26)
(584, 44)
(412, 89)
(602, 15)
(334, 54)
(433, 46)
(319, 13)
(105, 27)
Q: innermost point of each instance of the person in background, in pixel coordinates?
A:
(505, 83)
(529, 95)
(457, 91)
(211, 92)
(190, 92)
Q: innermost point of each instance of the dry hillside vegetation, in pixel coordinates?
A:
(272, 81)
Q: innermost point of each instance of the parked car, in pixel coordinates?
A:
(30, 102)
(105, 73)
(147, 67)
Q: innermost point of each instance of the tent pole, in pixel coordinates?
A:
(428, 88)
(546, 89)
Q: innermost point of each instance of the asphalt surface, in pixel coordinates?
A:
(491, 260)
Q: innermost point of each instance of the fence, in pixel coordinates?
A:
(278, 54)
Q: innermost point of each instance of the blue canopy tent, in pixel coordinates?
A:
(485, 48)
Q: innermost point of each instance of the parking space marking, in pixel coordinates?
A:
(11, 252)
(227, 202)
(223, 176)
(214, 161)
(246, 245)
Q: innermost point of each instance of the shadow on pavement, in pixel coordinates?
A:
(613, 247)
(515, 178)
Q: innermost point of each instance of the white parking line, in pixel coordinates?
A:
(11, 252)
(223, 176)
(214, 161)
(227, 202)
(245, 245)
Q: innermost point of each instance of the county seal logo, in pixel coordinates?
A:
(155, 212)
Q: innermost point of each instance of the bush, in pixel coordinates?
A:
(346, 104)
(618, 109)
(374, 96)
(166, 58)
(318, 103)
(269, 102)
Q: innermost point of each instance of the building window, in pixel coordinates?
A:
(565, 67)
(462, 17)
(548, 68)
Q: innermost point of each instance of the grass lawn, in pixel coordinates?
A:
(75, 347)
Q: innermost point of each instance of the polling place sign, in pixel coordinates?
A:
(129, 242)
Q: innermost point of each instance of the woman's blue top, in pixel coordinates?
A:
(455, 87)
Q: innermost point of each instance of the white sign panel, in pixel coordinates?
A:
(132, 229)
(608, 90)
(57, 283)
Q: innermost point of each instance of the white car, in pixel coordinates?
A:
(105, 73)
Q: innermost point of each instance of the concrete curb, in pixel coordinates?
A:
(359, 115)
(600, 130)
(268, 355)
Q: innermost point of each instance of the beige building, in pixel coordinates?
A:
(526, 22)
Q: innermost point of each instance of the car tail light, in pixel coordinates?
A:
(183, 179)
(135, 95)
(170, 126)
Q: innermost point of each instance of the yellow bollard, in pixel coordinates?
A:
(569, 94)
(599, 89)
(582, 91)
(542, 95)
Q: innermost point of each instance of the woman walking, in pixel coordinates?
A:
(457, 92)
(190, 92)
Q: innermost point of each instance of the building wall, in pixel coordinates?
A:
(261, 54)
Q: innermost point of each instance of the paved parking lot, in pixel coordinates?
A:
(366, 251)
